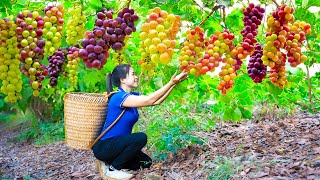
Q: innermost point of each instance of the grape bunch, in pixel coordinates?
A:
(120, 27)
(55, 66)
(9, 63)
(96, 44)
(227, 74)
(29, 36)
(295, 37)
(253, 16)
(192, 50)
(158, 39)
(256, 69)
(52, 32)
(72, 65)
(75, 26)
(278, 73)
(218, 44)
(271, 55)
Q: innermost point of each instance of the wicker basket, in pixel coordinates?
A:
(84, 116)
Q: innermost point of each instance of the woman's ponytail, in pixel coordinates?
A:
(109, 83)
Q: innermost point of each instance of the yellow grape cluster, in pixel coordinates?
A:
(192, 50)
(9, 64)
(227, 74)
(53, 24)
(158, 39)
(278, 73)
(118, 55)
(271, 54)
(75, 25)
(73, 60)
(118, 58)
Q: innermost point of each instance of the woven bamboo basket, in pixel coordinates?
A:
(84, 116)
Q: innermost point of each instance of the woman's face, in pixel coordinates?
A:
(131, 79)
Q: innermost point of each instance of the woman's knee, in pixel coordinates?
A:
(141, 137)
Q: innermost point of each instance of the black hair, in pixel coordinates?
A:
(119, 72)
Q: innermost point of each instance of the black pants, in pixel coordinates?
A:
(123, 152)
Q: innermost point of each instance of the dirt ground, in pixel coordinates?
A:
(268, 148)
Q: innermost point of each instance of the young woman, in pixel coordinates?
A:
(119, 148)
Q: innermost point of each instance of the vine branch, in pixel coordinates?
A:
(213, 9)
(198, 4)
(309, 89)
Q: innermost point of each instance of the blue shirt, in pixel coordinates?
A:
(129, 118)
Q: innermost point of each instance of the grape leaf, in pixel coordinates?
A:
(232, 114)
(273, 89)
(313, 3)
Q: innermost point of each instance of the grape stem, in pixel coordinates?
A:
(126, 5)
(274, 1)
(213, 9)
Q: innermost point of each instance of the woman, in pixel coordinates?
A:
(120, 148)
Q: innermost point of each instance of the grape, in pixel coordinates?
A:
(256, 69)
(9, 63)
(75, 25)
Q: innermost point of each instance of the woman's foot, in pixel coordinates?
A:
(114, 174)
(102, 167)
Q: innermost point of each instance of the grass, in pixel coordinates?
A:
(222, 168)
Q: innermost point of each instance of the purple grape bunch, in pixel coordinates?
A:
(253, 16)
(256, 69)
(55, 66)
(108, 32)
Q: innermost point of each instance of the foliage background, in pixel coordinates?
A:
(195, 104)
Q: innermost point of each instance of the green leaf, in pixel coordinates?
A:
(245, 112)
(95, 4)
(313, 3)
(232, 114)
(273, 89)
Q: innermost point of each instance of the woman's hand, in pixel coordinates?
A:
(175, 79)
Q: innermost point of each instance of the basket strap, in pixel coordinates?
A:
(109, 127)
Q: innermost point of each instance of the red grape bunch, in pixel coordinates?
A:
(29, 35)
(295, 38)
(253, 16)
(9, 63)
(256, 69)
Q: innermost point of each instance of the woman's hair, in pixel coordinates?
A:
(119, 72)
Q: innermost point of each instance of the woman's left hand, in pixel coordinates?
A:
(175, 79)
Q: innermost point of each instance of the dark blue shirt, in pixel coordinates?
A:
(129, 118)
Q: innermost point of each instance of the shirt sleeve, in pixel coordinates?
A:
(118, 99)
